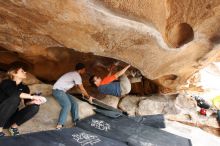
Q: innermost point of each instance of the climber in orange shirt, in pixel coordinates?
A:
(110, 86)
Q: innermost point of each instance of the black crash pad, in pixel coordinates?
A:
(101, 105)
(131, 132)
(156, 121)
(65, 137)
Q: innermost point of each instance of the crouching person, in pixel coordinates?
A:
(12, 91)
(68, 102)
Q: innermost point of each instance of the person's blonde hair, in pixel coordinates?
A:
(14, 67)
(12, 71)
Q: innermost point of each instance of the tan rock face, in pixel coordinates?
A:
(160, 38)
(129, 104)
(44, 89)
(111, 101)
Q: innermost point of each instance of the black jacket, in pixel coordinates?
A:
(9, 89)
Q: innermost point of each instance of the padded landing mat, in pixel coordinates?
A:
(131, 132)
(100, 104)
(156, 121)
(64, 137)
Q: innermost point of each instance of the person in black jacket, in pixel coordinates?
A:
(12, 91)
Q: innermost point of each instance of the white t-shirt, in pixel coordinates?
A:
(67, 81)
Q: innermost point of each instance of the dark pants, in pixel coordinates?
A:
(9, 113)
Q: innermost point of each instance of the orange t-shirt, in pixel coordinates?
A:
(108, 80)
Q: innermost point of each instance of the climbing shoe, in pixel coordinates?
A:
(14, 131)
(2, 134)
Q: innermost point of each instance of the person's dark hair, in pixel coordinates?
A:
(79, 66)
(91, 80)
(17, 65)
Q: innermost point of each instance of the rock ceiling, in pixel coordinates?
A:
(167, 40)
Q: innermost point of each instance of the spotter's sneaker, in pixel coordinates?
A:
(2, 134)
(14, 131)
(59, 127)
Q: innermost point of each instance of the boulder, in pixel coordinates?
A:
(129, 104)
(111, 100)
(156, 105)
(44, 89)
(31, 79)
